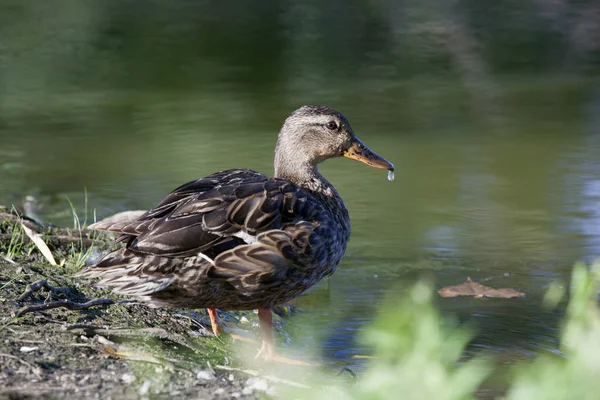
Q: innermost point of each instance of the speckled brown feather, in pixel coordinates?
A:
(300, 236)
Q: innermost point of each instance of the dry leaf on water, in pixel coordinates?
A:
(470, 288)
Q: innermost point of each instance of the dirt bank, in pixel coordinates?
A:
(60, 336)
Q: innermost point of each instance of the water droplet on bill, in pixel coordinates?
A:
(390, 175)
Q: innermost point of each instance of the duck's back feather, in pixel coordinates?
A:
(191, 249)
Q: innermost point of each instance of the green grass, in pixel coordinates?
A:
(16, 246)
(77, 256)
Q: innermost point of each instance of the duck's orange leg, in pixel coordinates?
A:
(267, 350)
(265, 319)
(214, 321)
(218, 328)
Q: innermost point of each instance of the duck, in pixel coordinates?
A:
(238, 239)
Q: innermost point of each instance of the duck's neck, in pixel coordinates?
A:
(307, 176)
(294, 170)
(304, 174)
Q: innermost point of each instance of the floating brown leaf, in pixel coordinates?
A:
(470, 288)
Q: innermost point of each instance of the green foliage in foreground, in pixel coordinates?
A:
(575, 376)
(418, 354)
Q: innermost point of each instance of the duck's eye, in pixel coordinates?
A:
(332, 125)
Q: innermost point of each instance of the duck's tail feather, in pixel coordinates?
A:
(126, 222)
(131, 273)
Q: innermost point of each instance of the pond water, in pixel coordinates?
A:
(496, 179)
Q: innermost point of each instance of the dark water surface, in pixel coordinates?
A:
(498, 172)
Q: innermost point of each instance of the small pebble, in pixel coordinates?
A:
(27, 349)
(219, 391)
(144, 389)
(206, 375)
(128, 378)
(231, 377)
(255, 383)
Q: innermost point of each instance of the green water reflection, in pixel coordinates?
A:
(497, 157)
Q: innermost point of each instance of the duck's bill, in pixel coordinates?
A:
(360, 152)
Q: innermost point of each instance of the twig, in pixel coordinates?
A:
(82, 327)
(62, 240)
(49, 318)
(42, 389)
(205, 331)
(131, 353)
(267, 377)
(68, 304)
(34, 287)
(35, 369)
(145, 333)
(32, 341)
(83, 241)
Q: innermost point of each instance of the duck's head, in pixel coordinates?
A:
(313, 134)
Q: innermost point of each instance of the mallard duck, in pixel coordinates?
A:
(239, 240)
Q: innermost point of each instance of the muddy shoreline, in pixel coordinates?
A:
(102, 345)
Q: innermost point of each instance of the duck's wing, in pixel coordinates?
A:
(181, 195)
(241, 228)
(223, 210)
